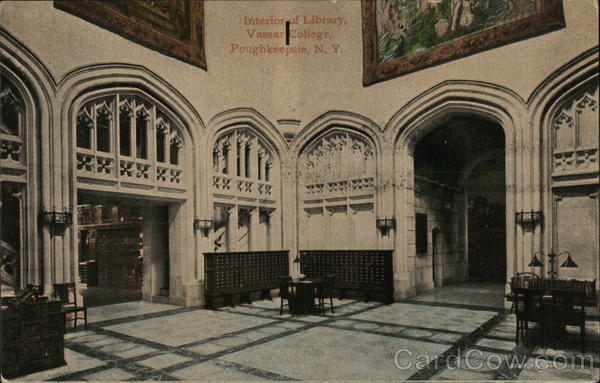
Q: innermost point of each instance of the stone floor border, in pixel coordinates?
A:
(452, 305)
(146, 372)
(467, 341)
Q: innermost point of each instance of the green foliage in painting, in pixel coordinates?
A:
(414, 26)
(172, 17)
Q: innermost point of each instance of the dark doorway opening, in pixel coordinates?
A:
(487, 221)
(120, 240)
(460, 187)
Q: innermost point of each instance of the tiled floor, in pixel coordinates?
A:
(431, 337)
(471, 293)
(130, 310)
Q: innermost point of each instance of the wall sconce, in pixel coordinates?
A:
(385, 224)
(57, 221)
(528, 219)
(203, 224)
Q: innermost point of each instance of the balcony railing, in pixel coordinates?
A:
(226, 184)
(104, 166)
(344, 187)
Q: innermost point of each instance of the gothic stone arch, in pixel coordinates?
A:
(421, 116)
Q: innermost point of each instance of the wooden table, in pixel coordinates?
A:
(303, 301)
(550, 327)
(592, 301)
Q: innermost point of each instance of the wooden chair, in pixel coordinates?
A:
(325, 291)
(528, 308)
(67, 294)
(286, 291)
(520, 280)
(564, 312)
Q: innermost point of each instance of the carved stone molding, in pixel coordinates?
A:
(578, 112)
(337, 159)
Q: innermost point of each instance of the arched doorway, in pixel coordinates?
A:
(19, 183)
(459, 189)
(133, 177)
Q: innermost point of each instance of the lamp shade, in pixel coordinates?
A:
(569, 262)
(535, 262)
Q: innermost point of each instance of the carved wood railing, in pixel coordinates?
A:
(227, 274)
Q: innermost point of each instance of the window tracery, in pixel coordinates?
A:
(250, 157)
(339, 163)
(337, 175)
(15, 124)
(11, 125)
(244, 192)
(130, 138)
(575, 134)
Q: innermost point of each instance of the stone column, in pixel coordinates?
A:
(285, 213)
(232, 226)
(403, 267)
(242, 156)
(217, 161)
(255, 242)
(267, 174)
(231, 156)
(260, 174)
(274, 230)
(155, 241)
(253, 165)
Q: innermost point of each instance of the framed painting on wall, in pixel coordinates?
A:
(172, 27)
(402, 36)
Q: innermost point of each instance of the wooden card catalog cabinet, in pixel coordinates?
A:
(575, 176)
(32, 337)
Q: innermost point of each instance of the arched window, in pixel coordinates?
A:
(125, 123)
(246, 200)
(337, 187)
(130, 138)
(174, 148)
(575, 134)
(574, 160)
(13, 172)
(103, 129)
